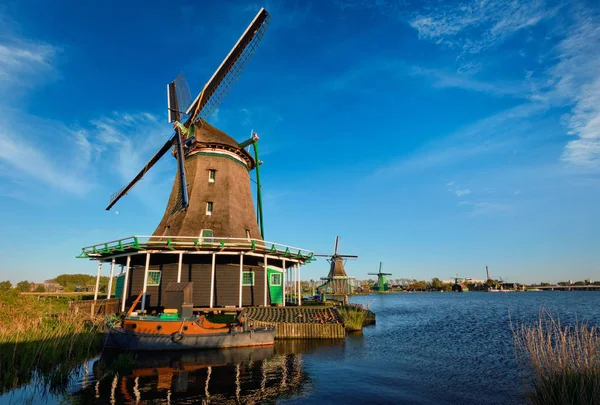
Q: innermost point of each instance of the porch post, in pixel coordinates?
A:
(98, 280)
(110, 279)
(296, 283)
(299, 286)
(284, 281)
(124, 294)
(241, 274)
(179, 267)
(266, 280)
(212, 280)
(145, 282)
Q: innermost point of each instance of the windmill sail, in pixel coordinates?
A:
(232, 66)
(178, 99)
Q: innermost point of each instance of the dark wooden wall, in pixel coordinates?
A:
(226, 288)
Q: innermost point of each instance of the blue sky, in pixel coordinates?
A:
(437, 139)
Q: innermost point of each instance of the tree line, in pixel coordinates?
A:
(67, 282)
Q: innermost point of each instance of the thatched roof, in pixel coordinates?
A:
(205, 132)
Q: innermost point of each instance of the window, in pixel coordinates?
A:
(209, 208)
(248, 278)
(275, 278)
(206, 233)
(153, 277)
(211, 175)
(247, 234)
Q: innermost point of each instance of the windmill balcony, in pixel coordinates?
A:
(177, 244)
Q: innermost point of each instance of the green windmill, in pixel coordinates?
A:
(381, 285)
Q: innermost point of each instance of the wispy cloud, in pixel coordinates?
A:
(568, 77)
(461, 193)
(475, 26)
(24, 62)
(485, 207)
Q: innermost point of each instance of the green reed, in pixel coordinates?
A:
(41, 341)
(353, 316)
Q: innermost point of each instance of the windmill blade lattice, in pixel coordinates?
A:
(227, 74)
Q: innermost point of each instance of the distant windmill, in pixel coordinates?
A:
(337, 281)
(382, 284)
(458, 286)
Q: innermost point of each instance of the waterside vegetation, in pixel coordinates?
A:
(41, 342)
(561, 363)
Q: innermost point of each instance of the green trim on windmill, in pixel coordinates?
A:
(253, 245)
(196, 242)
(169, 245)
(299, 255)
(258, 188)
(222, 243)
(287, 252)
(119, 247)
(106, 249)
(273, 250)
(136, 243)
(82, 255)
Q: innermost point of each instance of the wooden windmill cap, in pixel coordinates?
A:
(208, 135)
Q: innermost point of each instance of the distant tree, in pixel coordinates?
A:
(40, 288)
(579, 283)
(69, 288)
(5, 285)
(447, 287)
(418, 286)
(562, 283)
(24, 286)
(545, 284)
(436, 284)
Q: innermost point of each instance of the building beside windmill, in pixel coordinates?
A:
(337, 281)
(210, 240)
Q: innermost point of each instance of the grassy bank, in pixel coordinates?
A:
(562, 362)
(39, 338)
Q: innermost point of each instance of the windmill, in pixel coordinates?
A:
(458, 286)
(337, 281)
(381, 285)
(193, 137)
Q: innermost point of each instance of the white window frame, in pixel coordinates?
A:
(212, 174)
(252, 282)
(206, 238)
(209, 207)
(280, 275)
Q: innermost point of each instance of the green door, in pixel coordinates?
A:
(275, 285)
(119, 286)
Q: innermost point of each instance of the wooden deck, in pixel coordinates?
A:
(299, 322)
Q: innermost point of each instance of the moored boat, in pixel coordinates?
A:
(171, 332)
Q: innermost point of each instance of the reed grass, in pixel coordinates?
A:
(353, 316)
(40, 340)
(562, 363)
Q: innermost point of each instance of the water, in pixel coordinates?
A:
(425, 349)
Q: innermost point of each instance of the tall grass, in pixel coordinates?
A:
(353, 316)
(562, 362)
(38, 338)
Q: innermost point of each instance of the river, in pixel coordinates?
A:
(426, 348)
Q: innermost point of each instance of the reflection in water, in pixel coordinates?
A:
(244, 375)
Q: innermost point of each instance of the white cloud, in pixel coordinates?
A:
(461, 193)
(25, 63)
(478, 25)
(569, 76)
(485, 207)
